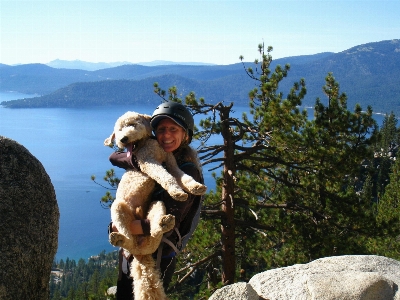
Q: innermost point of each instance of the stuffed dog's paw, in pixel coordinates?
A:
(192, 186)
(167, 223)
(116, 239)
(198, 189)
(178, 194)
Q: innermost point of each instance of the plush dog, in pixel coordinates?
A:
(132, 197)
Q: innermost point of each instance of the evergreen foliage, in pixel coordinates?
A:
(84, 280)
(389, 215)
(381, 187)
(292, 189)
(385, 151)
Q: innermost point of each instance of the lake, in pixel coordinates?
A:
(69, 144)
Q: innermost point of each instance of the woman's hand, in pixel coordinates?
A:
(135, 227)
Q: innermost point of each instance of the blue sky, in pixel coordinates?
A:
(217, 32)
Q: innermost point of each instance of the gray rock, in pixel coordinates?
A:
(29, 220)
(363, 277)
(348, 277)
(350, 285)
(111, 291)
(238, 291)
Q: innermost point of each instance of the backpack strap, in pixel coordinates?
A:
(182, 241)
(176, 247)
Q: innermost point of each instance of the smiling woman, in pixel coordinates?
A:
(179, 197)
(173, 126)
(170, 135)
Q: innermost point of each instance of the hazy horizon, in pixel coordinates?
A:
(208, 31)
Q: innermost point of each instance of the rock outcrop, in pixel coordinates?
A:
(238, 291)
(29, 220)
(349, 277)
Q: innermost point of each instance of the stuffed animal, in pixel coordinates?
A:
(132, 197)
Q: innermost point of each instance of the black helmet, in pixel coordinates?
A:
(176, 112)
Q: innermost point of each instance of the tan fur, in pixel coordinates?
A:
(133, 193)
(147, 278)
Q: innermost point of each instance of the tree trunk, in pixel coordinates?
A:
(228, 223)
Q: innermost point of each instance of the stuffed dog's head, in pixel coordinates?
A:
(129, 128)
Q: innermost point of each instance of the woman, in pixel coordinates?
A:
(172, 124)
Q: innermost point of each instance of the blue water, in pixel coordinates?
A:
(69, 144)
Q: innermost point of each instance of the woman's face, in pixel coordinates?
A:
(169, 135)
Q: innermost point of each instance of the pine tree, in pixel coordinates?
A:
(288, 191)
(389, 216)
(385, 150)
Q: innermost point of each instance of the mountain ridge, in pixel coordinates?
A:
(34, 78)
(95, 66)
(368, 73)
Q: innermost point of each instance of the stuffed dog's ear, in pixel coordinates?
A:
(109, 141)
(146, 123)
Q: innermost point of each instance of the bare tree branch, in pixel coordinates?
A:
(200, 262)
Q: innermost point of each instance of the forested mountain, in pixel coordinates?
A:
(41, 79)
(369, 74)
